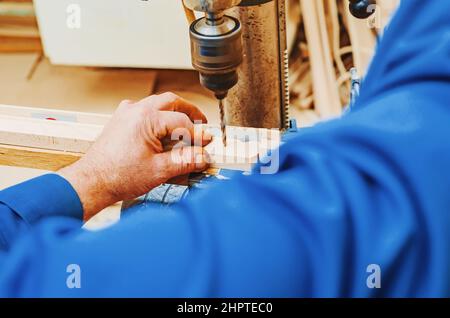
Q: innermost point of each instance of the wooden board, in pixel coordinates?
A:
(18, 27)
(48, 134)
(56, 114)
(51, 144)
(10, 44)
(245, 146)
(24, 157)
(326, 96)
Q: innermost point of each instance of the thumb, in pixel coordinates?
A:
(183, 160)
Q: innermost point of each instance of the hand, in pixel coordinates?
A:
(128, 159)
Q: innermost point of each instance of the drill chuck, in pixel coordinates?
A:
(216, 48)
(219, 83)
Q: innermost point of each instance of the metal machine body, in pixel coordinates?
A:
(261, 97)
(239, 48)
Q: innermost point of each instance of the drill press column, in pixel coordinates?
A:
(261, 97)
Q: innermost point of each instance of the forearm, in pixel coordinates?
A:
(26, 204)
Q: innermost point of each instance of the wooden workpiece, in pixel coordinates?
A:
(245, 146)
(35, 158)
(49, 139)
(326, 94)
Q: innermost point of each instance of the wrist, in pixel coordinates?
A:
(89, 184)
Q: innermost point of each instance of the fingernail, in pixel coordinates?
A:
(206, 157)
(199, 166)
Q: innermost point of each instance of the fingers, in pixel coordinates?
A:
(182, 160)
(174, 103)
(178, 127)
(173, 123)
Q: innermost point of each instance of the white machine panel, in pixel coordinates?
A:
(115, 33)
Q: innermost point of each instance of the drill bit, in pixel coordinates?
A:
(223, 126)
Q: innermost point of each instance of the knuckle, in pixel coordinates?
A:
(182, 120)
(169, 98)
(124, 104)
(148, 102)
(185, 119)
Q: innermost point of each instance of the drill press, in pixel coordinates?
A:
(217, 53)
(247, 44)
(217, 47)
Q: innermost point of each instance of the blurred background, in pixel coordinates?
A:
(127, 49)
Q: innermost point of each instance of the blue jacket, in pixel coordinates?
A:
(370, 188)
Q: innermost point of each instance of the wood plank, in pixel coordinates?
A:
(326, 95)
(19, 44)
(47, 134)
(17, 12)
(245, 146)
(18, 28)
(22, 7)
(52, 144)
(18, 31)
(57, 114)
(25, 157)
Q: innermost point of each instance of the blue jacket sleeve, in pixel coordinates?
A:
(368, 189)
(26, 204)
